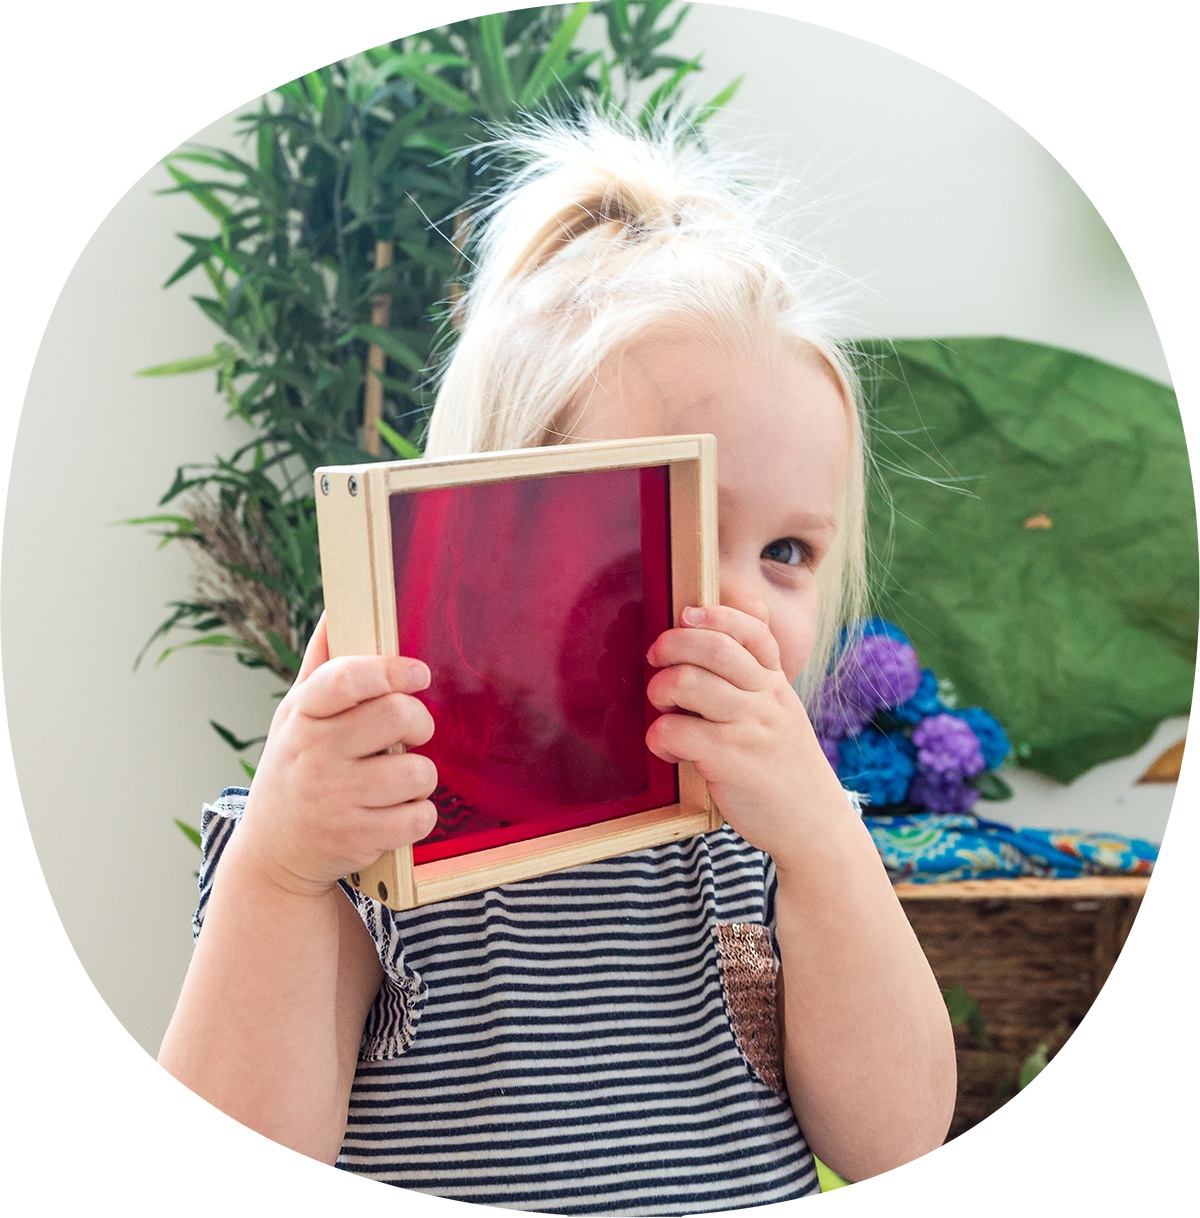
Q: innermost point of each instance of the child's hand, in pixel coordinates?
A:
(748, 734)
(324, 802)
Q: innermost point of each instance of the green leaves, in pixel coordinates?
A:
(991, 786)
(221, 355)
(442, 91)
(637, 32)
(368, 150)
(411, 63)
(193, 835)
(403, 448)
(962, 1009)
(387, 342)
(358, 188)
(494, 72)
(231, 740)
(721, 100)
(553, 59)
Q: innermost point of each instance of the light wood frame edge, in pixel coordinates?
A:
(393, 879)
(455, 877)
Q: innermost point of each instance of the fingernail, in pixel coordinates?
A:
(693, 616)
(418, 676)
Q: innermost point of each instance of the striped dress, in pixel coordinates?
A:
(599, 1040)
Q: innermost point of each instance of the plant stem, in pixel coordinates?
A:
(381, 309)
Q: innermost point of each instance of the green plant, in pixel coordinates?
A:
(961, 1008)
(337, 248)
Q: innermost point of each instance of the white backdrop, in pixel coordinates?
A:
(999, 242)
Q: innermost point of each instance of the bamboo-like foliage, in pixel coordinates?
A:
(334, 250)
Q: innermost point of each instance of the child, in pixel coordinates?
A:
(612, 1038)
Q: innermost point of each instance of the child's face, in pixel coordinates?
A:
(783, 448)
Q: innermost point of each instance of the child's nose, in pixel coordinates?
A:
(738, 592)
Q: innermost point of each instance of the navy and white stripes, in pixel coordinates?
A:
(564, 1045)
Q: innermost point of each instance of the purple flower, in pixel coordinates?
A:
(993, 741)
(942, 792)
(837, 717)
(875, 673)
(877, 766)
(948, 753)
(947, 745)
(887, 671)
(924, 701)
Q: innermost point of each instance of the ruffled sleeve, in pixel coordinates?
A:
(392, 1020)
(217, 823)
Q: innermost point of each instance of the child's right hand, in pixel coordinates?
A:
(326, 799)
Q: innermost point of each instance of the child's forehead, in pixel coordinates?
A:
(778, 413)
(686, 383)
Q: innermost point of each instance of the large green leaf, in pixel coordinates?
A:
(1080, 634)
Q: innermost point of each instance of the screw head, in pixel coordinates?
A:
(324, 484)
(353, 484)
(382, 891)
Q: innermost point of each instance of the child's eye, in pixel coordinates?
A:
(787, 550)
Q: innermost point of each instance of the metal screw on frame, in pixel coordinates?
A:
(324, 484)
(353, 484)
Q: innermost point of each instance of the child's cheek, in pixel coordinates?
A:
(794, 632)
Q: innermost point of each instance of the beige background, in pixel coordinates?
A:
(957, 222)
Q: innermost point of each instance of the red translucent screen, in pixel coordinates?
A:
(534, 602)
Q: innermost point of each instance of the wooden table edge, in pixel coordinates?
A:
(1026, 888)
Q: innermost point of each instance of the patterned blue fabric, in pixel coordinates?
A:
(924, 846)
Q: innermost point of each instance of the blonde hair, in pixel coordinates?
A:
(602, 234)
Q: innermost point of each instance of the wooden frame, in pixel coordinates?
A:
(354, 520)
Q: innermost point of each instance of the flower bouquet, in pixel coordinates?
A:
(894, 735)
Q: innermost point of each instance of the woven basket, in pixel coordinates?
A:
(1032, 954)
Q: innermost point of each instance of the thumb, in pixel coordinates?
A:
(316, 653)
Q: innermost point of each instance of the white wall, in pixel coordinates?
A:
(958, 222)
(955, 221)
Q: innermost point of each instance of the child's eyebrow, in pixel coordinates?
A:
(813, 522)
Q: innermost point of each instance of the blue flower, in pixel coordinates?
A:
(923, 703)
(868, 627)
(879, 625)
(992, 739)
(877, 766)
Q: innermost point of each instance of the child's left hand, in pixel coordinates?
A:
(748, 734)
